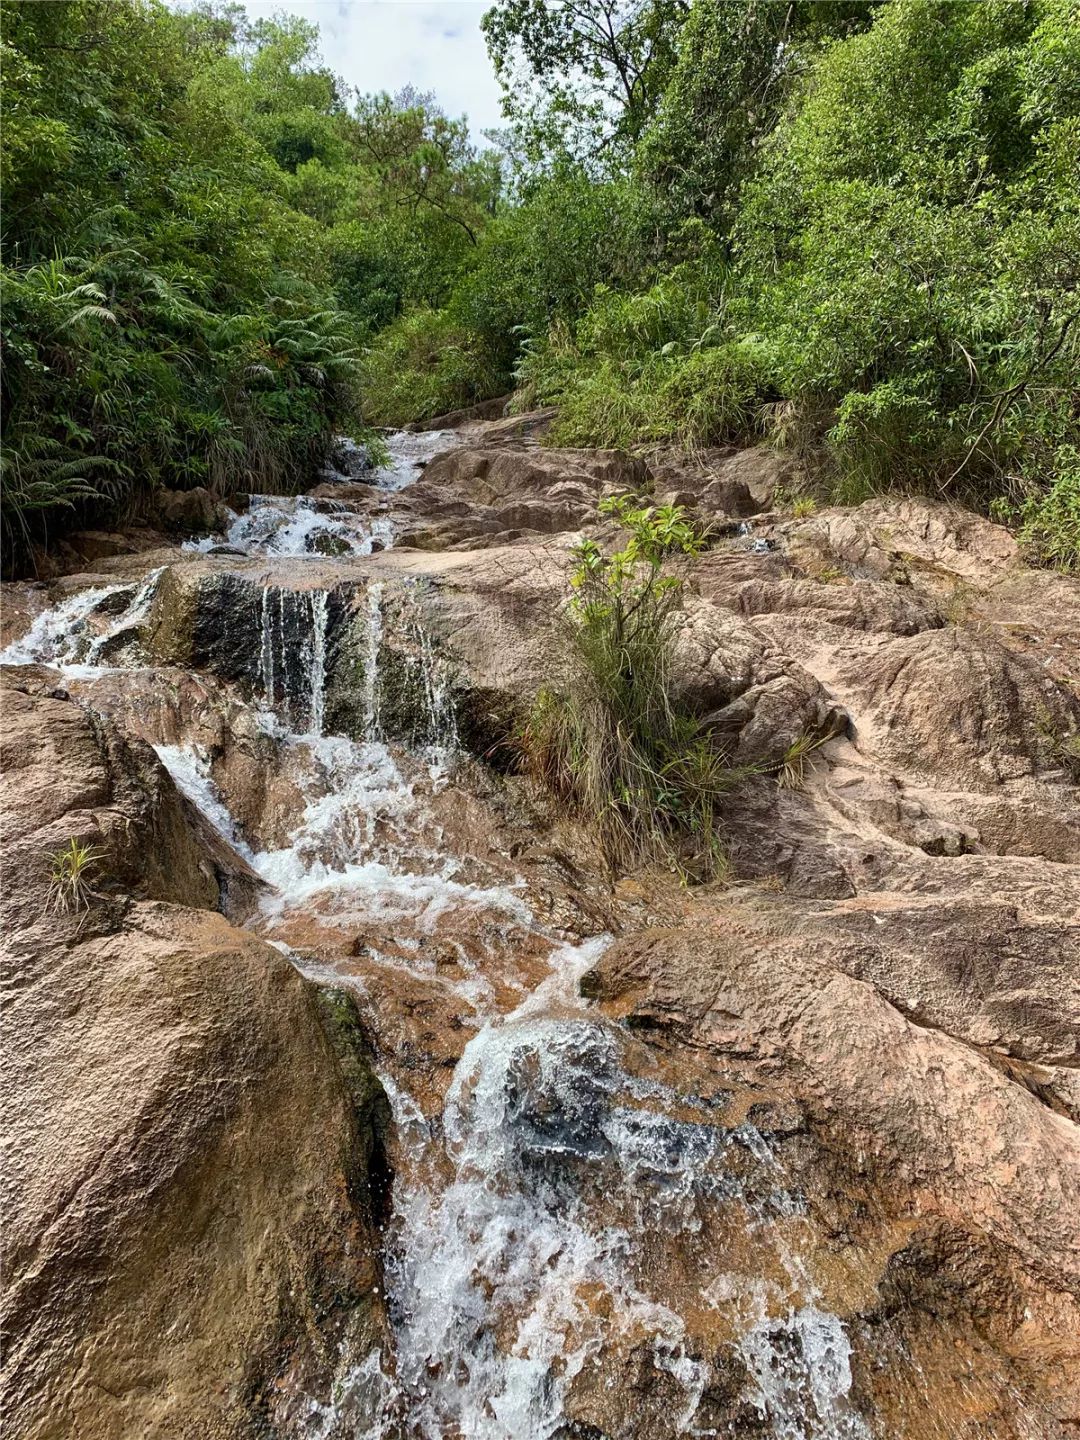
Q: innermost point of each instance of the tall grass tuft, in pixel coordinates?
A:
(70, 888)
(616, 746)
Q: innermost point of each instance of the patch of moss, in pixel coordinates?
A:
(344, 1028)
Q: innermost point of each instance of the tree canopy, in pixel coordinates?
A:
(847, 227)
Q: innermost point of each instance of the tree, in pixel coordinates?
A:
(167, 317)
(582, 77)
(736, 59)
(425, 161)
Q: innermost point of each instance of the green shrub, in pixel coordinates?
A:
(425, 364)
(1049, 523)
(706, 397)
(167, 316)
(616, 746)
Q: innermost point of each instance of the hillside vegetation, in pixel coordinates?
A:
(849, 229)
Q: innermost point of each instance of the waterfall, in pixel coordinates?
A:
(543, 1205)
(319, 601)
(431, 721)
(441, 721)
(293, 628)
(67, 636)
(371, 697)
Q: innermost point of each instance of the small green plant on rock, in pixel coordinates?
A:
(70, 890)
(616, 745)
(1062, 744)
(791, 771)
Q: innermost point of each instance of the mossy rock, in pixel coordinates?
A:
(344, 1028)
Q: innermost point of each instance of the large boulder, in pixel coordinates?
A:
(931, 1166)
(957, 704)
(493, 409)
(749, 694)
(490, 475)
(190, 512)
(908, 539)
(185, 1250)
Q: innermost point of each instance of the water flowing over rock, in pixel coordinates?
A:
(177, 1231)
(358, 1102)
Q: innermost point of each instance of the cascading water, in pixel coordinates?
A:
(299, 525)
(83, 632)
(292, 655)
(562, 1216)
(279, 525)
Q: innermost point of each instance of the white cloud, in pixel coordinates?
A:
(387, 44)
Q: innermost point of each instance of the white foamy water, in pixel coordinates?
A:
(801, 1364)
(508, 1280)
(297, 525)
(75, 635)
(335, 854)
(189, 766)
(410, 453)
(280, 525)
(293, 634)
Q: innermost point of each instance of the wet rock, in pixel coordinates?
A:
(490, 476)
(902, 539)
(925, 1128)
(190, 512)
(372, 1180)
(349, 459)
(22, 602)
(163, 1176)
(729, 496)
(483, 410)
(67, 775)
(325, 543)
(973, 1153)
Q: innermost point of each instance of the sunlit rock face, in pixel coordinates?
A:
(793, 1157)
(173, 1220)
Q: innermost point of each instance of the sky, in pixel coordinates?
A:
(386, 44)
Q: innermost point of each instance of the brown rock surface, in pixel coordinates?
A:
(190, 512)
(532, 489)
(887, 989)
(177, 1230)
(938, 1127)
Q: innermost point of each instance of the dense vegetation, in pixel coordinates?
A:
(848, 228)
(199, 231)
(617, 744)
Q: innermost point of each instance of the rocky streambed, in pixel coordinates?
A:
(357, 1102)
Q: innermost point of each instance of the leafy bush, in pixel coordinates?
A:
(894, 260)
(535, 265)
(1049, 523)
(425, 364)
(156, 330)
(617, 746)
(851, 226)
(911, 246)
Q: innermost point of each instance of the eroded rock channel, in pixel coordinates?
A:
(358, 1103)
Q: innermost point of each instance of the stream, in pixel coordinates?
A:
(579, 1244)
